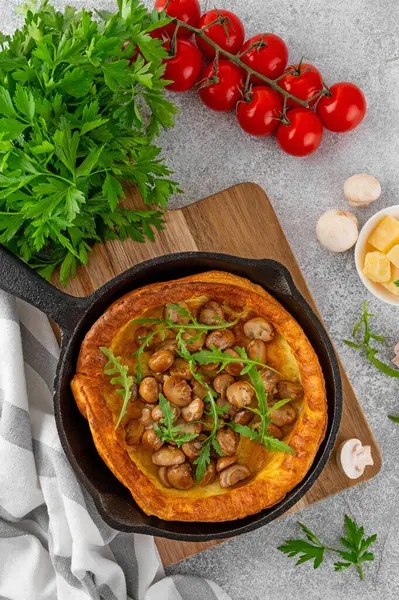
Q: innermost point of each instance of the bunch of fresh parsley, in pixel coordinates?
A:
(355, 551)
(77, 117)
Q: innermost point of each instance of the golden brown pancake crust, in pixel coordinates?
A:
(282, 471)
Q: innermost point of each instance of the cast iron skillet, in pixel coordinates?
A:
(75, 316)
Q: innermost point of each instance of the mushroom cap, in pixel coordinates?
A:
(353, 457)
(361, 189)
(337, 230)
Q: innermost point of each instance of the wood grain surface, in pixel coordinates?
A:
(239, 221)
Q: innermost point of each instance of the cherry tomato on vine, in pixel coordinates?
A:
(226, 89)
(231, 41)
(188, 11)
(184, 67)
(260, 114)
(303, 81)
(265, 53)
(302, 135)
(344, 109)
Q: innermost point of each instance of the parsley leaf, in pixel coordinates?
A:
(366, 346)
(355, 550)
(113, 367)
(78, 117)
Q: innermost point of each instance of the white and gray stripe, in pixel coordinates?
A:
(53, 543)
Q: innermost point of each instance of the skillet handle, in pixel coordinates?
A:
(18, 279)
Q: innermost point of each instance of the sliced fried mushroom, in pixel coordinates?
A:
(220, 338)
(259, 329)
(256, 350)
(199, 391)
(209, 475)
(191, 449)
(221, 383)
(210, 367)
(161, 360)
(133, 432)
(275, 431)
(181, 368)
(194, 339)
(151, 440)
(211, 313)
(156, 413)
(243, 417)
(168, 456)
(146, 417)
(285, 415)
(162, 476)
(227, 441)
(188, 427)
(233, 368)
(193, 411)
(225, 461)
(240, 394)
(208, 422)
(270, 380)
(233, 475)
(180, 477)
(168, 345)
(231, 410)
(289, 389)
(149, 390)
(174, 315)
(177, 391)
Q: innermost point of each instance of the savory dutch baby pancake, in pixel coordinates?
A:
(204, 397)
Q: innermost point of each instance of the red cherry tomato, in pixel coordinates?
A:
(269, 57)
(231, 42)
(344, 109)
(303, 81)
(184, 68)
(260, 115)
(303, 134)
(188, 11)
(224, 94)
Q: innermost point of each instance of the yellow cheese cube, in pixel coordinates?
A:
(393, 255)
(377, 267)
(385, 235)
(391, 287)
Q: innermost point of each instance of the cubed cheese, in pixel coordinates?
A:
(385, 235)
(377, 267)
(390, 286)
(393, 255)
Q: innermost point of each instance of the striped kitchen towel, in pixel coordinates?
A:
(53, 543)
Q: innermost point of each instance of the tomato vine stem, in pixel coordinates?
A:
(236, 59)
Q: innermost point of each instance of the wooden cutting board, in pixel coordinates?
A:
(239, 221)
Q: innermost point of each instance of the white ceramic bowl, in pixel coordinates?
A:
(361, 249)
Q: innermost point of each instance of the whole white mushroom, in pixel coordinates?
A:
(337, 230)
(361, 189)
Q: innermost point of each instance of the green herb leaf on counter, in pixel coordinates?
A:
(113, 367)
(366, 346)
(76, 119)
(394, 418)
(354, 554)
(166, 430)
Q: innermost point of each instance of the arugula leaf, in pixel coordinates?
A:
(204, 357)
(365, 344)
(314, 549)
(113, 367)
(394, 418)
(52, 129)
(396, 282)
(166, 430)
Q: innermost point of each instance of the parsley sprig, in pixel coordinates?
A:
(113, 367)
(76, 119)
(166, 429)
(366, 345)
(355, 552)
(261, 434)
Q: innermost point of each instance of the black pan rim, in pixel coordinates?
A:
(236, 527)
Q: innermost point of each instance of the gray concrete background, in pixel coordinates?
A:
(348, 41)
